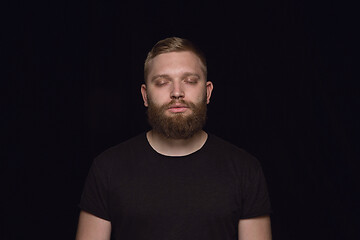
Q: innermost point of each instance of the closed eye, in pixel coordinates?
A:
(191, 80)
(161, 82)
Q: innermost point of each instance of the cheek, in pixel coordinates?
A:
(199, 95)
(157, 99)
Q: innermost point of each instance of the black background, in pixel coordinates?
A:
(285, 90)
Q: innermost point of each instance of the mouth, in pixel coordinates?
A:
(178, 108)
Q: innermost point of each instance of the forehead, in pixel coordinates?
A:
(175, 63)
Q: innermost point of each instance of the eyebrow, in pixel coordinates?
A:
(188, 74)
(166, 76)
(160, 76)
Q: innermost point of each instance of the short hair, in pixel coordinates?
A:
(174, 44)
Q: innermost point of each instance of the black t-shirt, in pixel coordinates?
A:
(146, 195)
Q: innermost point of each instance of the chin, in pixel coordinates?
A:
(183, 114)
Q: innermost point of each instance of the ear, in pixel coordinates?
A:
(209, 88)
(144, 95)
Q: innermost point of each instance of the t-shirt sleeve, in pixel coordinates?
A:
(254, 194)
(94, 198)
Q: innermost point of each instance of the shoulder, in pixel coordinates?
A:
(220, 145)
(227, 151)
(121, 151)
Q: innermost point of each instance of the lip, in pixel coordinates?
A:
(178, 108)
(178, 105)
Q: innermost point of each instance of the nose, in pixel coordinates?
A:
(177, 91)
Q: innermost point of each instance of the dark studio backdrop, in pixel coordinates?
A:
(284, 90)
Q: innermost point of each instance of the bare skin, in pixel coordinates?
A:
(176, 75)
(258, 228)
(91, 227)
(176, 147)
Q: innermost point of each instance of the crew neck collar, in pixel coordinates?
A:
(181, 156)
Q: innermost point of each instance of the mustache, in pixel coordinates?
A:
(182, 102)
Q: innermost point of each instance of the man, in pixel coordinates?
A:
(175, 181)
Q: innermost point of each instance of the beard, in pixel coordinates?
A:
(177, 126)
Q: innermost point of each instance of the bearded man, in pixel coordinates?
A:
(175, 181)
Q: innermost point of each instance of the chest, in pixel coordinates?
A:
(187, 191)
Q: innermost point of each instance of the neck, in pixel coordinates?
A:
(176, 147)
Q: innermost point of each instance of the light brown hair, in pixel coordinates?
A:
(174, 44)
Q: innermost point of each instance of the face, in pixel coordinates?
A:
(176, 93)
